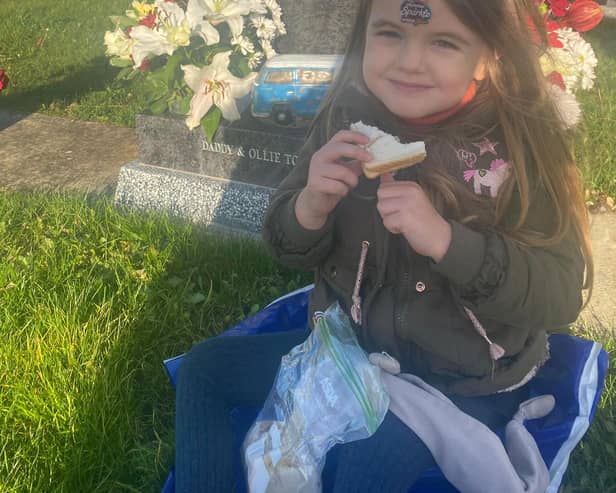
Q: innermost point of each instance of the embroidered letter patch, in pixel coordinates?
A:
(415, 12)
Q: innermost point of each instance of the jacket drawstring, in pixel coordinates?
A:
(356, 298)
(496, 351)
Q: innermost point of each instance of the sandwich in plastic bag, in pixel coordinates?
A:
(326, 392)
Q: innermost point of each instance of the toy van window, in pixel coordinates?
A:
(315, 76)
(279, 77)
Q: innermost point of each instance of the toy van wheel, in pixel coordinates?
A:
(283, 116)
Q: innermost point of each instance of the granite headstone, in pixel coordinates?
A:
(228, 182)
(245, 151)
(316, 26)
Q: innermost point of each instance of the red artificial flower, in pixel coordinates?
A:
(145, 65)
(149, 20)
(550, 26)
(4, 80)
(553, 39)
(583, 15)
(559, 7)
(556, 79)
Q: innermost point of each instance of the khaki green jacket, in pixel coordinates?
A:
(412, 307)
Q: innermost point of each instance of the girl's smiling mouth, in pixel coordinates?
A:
(409, 86)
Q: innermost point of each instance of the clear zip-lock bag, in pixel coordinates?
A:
(326, 392)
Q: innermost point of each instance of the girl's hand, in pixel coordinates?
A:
(334, 171)
(406, 209)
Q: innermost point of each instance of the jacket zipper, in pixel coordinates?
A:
(382, 252)
(400, 307)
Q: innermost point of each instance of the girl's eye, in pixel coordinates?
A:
(443, 43)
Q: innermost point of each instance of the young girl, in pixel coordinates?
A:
(474, 255)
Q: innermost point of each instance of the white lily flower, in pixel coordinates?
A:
(118, 43)
(230, 11)
(196, 15)
(214, 85)
(149, 42)
(173, 28)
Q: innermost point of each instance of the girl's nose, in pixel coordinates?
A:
(411, 56)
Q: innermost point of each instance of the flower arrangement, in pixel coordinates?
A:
(570, 61)
(198, 58)
(4, 80)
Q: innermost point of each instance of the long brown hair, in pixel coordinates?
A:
(515, 93)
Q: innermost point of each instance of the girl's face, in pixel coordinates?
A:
(420, 70)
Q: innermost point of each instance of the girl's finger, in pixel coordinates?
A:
(351, 137)
(356, 167)
(335, 151)
(391, 223)
(343, 173)
(335, 187)
(394, 188)
(388, 207)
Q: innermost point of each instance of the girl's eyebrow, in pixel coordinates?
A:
(381, 23)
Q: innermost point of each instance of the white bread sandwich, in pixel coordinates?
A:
(389, 153)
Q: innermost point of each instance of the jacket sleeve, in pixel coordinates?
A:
(287, 241)
(499, 279)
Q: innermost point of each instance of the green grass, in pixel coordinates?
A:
(91, 301)
(596, 141)
(592, 466)
(54, 54)
(93, 298)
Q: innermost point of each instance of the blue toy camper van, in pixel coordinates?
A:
(290, 88)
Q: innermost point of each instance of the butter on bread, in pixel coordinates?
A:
(389, 153)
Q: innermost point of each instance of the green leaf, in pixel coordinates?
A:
(126, 73)
(210, 122)
(195, 298)
(155, 89)
(174, 281)
(170, 72)
(241, 66)
(184, 106)
(123, 21)
(159, 106)
(120, 62)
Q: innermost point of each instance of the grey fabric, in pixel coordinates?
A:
(469, 454)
